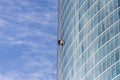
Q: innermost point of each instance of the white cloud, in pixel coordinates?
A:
(46, 70)
(18, 28)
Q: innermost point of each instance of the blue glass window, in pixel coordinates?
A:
(117, 55)
(118, 2)
(117, 69)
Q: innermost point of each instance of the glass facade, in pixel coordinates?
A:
(91, 32)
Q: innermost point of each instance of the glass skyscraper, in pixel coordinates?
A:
(90, 30)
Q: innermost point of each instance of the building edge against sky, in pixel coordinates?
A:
(91, 32)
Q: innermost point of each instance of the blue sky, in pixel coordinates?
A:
(28, 34)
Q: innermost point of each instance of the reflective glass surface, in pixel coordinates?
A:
(91, 32)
